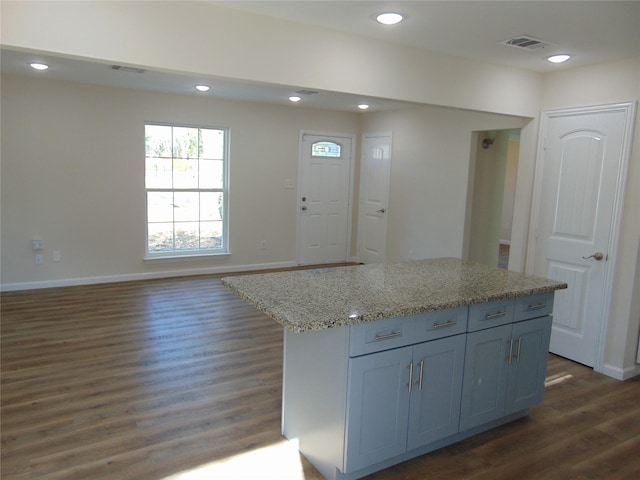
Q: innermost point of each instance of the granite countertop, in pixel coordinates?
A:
(305, 300)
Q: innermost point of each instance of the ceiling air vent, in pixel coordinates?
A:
(307, 92)
(526, 42)
(128, 69)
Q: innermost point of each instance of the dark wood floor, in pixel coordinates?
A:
(178, 379)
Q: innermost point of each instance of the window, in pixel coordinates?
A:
(186, 188)
(326, 149)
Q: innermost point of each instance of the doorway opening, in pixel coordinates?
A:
(492, 189)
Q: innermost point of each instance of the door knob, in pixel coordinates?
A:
(382, 210)
(597, 256)
(303, 208)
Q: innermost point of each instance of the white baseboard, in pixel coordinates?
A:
(70, 282)
(620, 373)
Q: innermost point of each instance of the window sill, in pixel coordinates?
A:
(181, 257)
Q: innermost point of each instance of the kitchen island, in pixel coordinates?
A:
(383, 363)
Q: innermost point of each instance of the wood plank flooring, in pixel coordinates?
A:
(178, 379)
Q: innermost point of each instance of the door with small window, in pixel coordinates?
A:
(324, 198)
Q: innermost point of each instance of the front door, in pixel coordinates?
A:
(579, 188)
(324, 193)
(374, 193)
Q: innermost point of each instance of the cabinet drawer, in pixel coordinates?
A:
(401, 331)
(492, 314)
(381, 335)
(441, 323)
(533, 306)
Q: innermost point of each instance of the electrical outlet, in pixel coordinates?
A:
(56, 255)
(38, 258)
(36, 243)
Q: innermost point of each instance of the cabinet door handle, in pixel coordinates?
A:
(386, 336)
(537, 306)
(518, 352)
(495, 315)
(450, 323)
(410, 376)
(510, 350)
(421, 372)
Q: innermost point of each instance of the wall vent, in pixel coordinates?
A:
(128, 69)
(526, 42)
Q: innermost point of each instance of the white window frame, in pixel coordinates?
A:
(204, 252)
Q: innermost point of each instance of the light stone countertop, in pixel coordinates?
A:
(305, 300)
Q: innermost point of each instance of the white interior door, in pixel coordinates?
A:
(324, 193)
(374, 198)
(579, 189)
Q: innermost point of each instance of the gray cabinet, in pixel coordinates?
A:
(485, 376)
(435, 400)
(404, 384)
(505, 366)
(363, 397)
(528, 368)
(378, 407)
(402, 399)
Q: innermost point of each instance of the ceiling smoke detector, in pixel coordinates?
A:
(525, 42)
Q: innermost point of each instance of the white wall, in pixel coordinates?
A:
(603, 84)
(429, 176)
(73, 173)
(511, 175)
(488, 197)
(210, 40)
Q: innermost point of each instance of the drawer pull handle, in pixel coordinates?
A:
(510, 358)
(495, 315)
(537, 306)
(410, 376)
(386, 336)
(450, 323)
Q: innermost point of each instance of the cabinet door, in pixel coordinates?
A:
(377, 407)
(434, 411)
(485, 376)
(528, 369)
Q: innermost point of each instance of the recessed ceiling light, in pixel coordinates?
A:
(390, 18)
(559, 58)
(294, 98)
(363, 106)
(203, 88)
(38, 66)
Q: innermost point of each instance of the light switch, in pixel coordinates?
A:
(36, 243)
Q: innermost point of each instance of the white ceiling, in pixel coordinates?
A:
(75, 70)
(592, 31)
